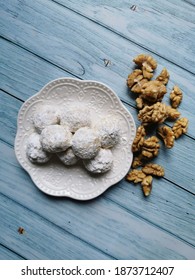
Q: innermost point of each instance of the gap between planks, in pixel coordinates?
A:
(127, 210)
(150, 222)
(135, 220)
(72, 74)
(37, 55)
(128, 104)
(62, 68)
(121, 35)
(10, 251)
(49, 222)
(118, 203)
(189, 3)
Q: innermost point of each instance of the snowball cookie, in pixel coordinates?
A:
(67, 157)
(44, 116)
(85, 143)
(109, 131)
(101, 163)
(56, 138)
(76, 118)
(34, 150)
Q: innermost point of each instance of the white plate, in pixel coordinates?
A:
(53, 177)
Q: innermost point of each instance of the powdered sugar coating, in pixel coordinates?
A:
(101, 163)
(56, 138)
(44, 116)
(85, 143)
(76, 118)
(68, 157)
(109, 131)
(34, 150)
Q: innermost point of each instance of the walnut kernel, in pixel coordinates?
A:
(136, 176)
(175, 96)
(139, 139)
(153, 169)
(147, 63)
(147, 185)
(180, 127)
(138, 86)
(150, 147)
(139, 103)
(137, 161)
(152, 112)
(155, 113)
(134, 77)
(144, 58)
(163, 77)
(147, 75)
(153, 91)
(172, 113)
(167, 135)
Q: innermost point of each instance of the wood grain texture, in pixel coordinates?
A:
(179, 9)
(178, 208)
(154, 25)
(45, 240)
(76, 36)
(110, 234)
(184, 147)
(44, 40)
(7, 254)
(23, 73)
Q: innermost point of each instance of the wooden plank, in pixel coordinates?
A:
(182, 151)
(88, 50)
(106, 207)
(116, 231)
(175, 204)
(6, 254)
(167, 208)
(179, 9)
(8, 106)
(161, 191)
(23, 73)
(162, 27)
(41, 239)
(190, 2)
(108, 198)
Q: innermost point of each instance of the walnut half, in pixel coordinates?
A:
(137, 161)
(163, 77)
(150, 147)
(139, 139)
(155, 113)
(137, 88)
(176, 96)
(134, 77)
(136, 176)
(167, 136)
(147, 63)
(147, 185)
(153, 169)
(153, 91)
(172, 113)
(180, 127)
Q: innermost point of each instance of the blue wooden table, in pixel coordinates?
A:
(42, 40)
